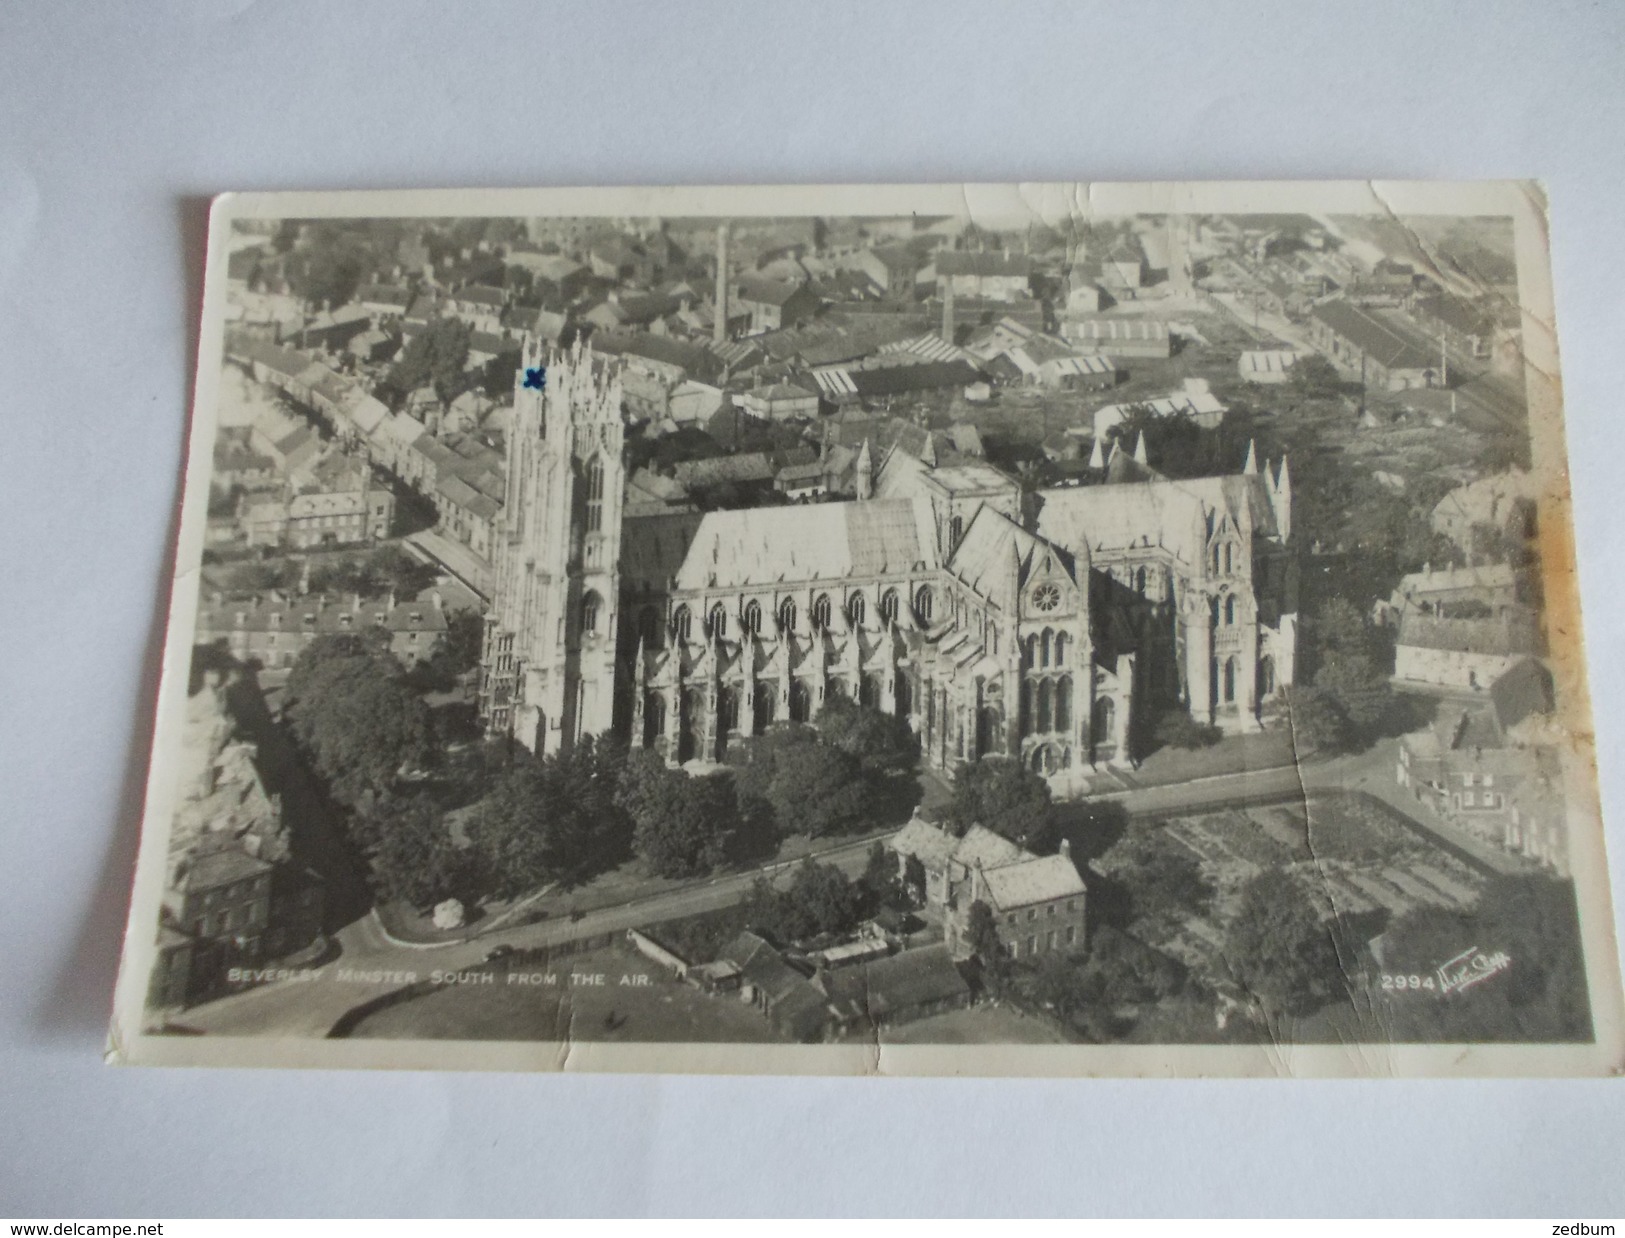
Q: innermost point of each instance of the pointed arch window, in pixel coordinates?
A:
(923, 602)
(1215, 558)
(1230, 611)
(1213, 608)
(956, 530)
(753, 618)
(888, 606)
(1046, 701)
(1063, 703)
(595, 494)
(1044, 647)
(1139, 581)
(1229, 562)
(682, 623)
(1060, 649)
(856, 608)
(591, 614)
(716, 623)
(821, 610)
(787, 614)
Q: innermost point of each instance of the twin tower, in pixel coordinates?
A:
(548, 673)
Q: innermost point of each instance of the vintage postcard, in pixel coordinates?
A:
(1038, 629)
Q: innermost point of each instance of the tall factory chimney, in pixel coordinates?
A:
(719, 329)
(948, 310)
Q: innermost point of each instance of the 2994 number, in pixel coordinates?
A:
(1399, 984)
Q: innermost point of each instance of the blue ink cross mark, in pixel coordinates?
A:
(536, 378)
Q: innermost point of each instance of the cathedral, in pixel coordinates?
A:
(1049, 625)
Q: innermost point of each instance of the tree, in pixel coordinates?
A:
(436, 356)
(821, 900)
(1001, 794)
(458, 649)
(556, 820)
(1531, 921)
(982, 939)
(681, 826)
(1317, 720)
(1358, 688)
(352, 710)
(1177, 729)
(1164, 880)
(914, 879)
(1312, 376)
(414, 859)
(1278, 948)
(1059, 984)
(879, 879)
(881, 742)
(809, 787)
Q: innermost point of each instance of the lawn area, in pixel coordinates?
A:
(1234, 754)
(636, 1001)
(986, 1024)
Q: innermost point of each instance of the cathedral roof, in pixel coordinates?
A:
(991, 544)
(1171, 513)
(826, 541)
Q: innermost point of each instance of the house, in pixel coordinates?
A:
(1118, 337)
(487, 346)
(338, 518)
(990, 277)
(1378, 352)
(479, 305)
(791, 1001)
(1038, 902)
(272, 629)
(1483, 766)
(1268, 366)
(780, 402)
(233, 895)
(1457, 592)
(384, 301)
(774, 304)
(1503, 505)
(897, 269)
(618, 258)
(1122, 267)
(1464, 653)
(895, 989)
(1195, 400)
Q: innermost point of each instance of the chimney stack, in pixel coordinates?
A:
(719, 328)
(948, 310)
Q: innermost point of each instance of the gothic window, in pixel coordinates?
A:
(591, 607)
(922, 603)
(1215, 558)
(956, 530)
(1213, 608)
(855, 610)
(728, 709)
(1029, 652)
(682, 623)
(1229, 680)
(821, 610)
(654, 718)
(888, 606)
(766, 700)
(1139, 581)
(787, 614)
(716, 624)
(1046, 597)
(595, 494)
(800, 702)
(1046, 716)
(1230, 611)
(1044, 647)
(1229, 565)
(1104, 720)
(1266, 675)
(1063, 703)
(753, 618)
(1060, 649)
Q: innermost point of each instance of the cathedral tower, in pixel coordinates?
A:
(549, 666)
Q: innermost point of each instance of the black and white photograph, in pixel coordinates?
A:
(1004, 629)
